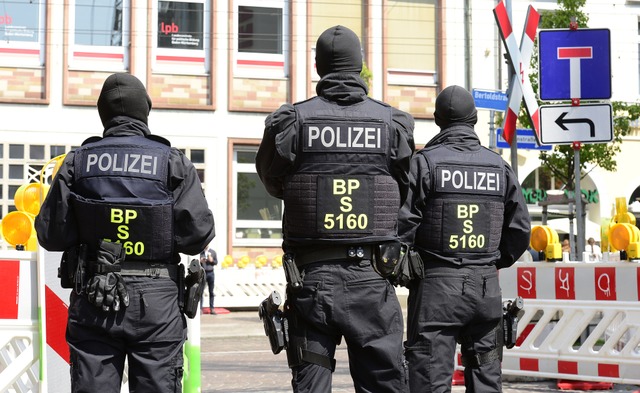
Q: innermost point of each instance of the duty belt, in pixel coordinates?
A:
(344, 253)
(146, 269)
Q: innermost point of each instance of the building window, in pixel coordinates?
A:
(257, 216)
(638, 39)
(348, 13)
(196, 156)
(261, 37)
(100, 38)
(410, 43)
(23, 164)
(260, 30)
(181, 39)
(22, 33)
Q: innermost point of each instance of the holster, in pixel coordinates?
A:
(274, 321)
(512, 312)
(297, 352)
(72, 268)
(194, 281)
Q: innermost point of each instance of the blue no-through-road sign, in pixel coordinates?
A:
(574, 64)
(526, 139)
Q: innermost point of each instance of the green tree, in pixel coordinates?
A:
(366, 75)
(559, 162)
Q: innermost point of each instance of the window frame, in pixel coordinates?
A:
(27, 53)
(268, 66)
(100, 57)
(236, 223)
(183, 61)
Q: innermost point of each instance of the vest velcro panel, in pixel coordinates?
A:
(142, 229)
(338, 206)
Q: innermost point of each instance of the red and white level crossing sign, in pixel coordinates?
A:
(519, 57)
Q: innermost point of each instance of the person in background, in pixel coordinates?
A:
(466, 216)
(209, 259)
(566, 250)
(123, 207)
(595, 254)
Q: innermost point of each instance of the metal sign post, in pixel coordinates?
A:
(580, 214)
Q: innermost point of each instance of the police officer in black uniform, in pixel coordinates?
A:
(340, 162)
(467, 218)
(122, 207)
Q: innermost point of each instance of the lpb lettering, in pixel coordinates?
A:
(168, 29)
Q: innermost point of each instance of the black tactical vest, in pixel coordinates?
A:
(121, 195)
(464, 212)
(342, 189)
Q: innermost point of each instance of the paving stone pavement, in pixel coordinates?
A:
(236, 358)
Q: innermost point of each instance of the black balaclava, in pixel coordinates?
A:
(123, 95)
(338, 50)
(455, 105)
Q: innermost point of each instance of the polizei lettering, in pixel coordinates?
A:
(470, 180)
(345, 137)
(122, 162)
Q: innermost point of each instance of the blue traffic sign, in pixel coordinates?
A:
(490, 99)
(526, 139)
(574, 64)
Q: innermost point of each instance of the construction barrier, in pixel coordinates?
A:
(34, 355)
(581, 321)
(246, 287)
(19, 329)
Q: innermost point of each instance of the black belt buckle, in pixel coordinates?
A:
(355, 252)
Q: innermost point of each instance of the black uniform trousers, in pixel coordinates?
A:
(462, 303)
(150, 333)
(350, 300)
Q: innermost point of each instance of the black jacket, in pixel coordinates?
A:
(516, 225)
(193, 225)
(276, 156)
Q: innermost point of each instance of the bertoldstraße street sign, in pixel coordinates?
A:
(565, 124)
(490, 99)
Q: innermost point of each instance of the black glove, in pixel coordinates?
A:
(106, 289)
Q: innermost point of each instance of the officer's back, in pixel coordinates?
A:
(122, 207)
(340, 162)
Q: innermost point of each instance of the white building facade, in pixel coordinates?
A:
(215, 69)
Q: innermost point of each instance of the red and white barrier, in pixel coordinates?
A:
(34, 355)
(19, 362)
(581, 321)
